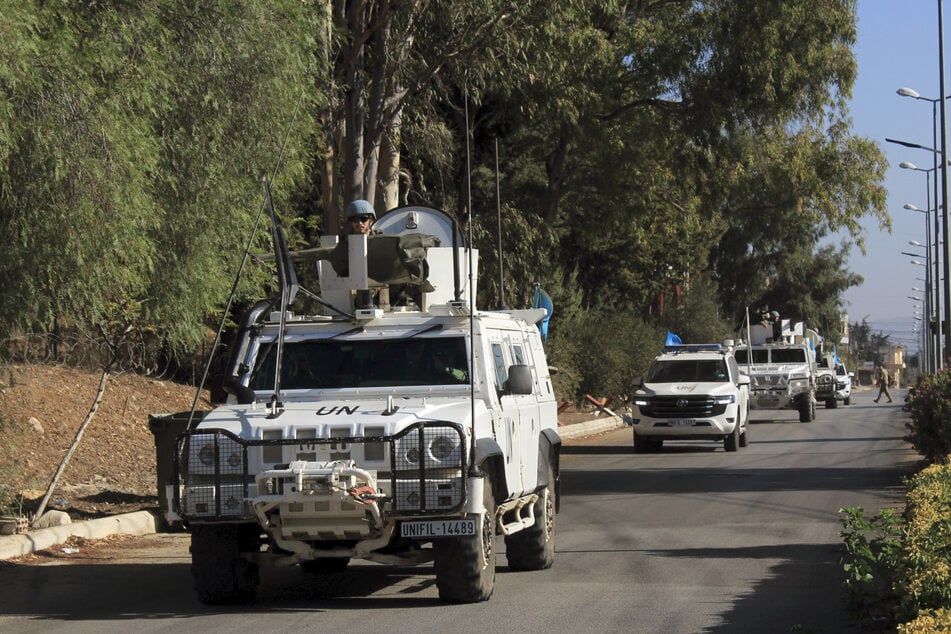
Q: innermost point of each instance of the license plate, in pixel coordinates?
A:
(439, 528)
(682, 422)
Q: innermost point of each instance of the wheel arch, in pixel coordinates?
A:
(549, 450)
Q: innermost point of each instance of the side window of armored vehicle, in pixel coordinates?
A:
(501, 374)
(517, 355)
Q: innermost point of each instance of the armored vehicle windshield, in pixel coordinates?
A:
(334, 364)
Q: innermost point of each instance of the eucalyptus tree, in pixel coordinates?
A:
(379, 56)
(134, 137)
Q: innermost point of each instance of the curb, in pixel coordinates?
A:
(569, 432)
(145, 523)
(137, 523)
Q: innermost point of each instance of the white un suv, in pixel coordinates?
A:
(692, 392)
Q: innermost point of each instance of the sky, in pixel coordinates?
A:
(897, 46)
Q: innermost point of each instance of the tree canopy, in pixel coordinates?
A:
(649, 155)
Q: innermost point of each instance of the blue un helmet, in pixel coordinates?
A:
(360, 208)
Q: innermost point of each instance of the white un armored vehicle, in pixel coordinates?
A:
(781, 364)
(395, 434)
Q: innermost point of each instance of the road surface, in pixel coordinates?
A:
(691, 539)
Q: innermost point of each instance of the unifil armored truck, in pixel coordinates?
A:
(780, 360)
(401, 425)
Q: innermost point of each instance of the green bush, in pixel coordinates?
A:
(929, 403)
(898, 568)
(872, 553)
(924, 577)
(928, 621)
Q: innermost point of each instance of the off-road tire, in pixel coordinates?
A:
(831, 403)
(732, 441)
(807, 409)
(465, 566)
(220, 574)
(326, 566)
(745, 434)
(848, 400)
(534, 548)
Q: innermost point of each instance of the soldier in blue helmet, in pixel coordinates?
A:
(360, 217)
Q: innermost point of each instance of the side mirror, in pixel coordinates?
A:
(638, 381)
(743, 379)
(519, 381)
(851, 375)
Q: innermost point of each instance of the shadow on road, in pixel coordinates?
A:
(660, 481)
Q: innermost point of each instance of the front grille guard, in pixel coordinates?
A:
(420, 486)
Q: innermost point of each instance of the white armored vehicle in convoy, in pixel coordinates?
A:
(395, 434)
(780, 360)
(833, 381)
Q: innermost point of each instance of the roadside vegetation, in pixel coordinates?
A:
(898, 565)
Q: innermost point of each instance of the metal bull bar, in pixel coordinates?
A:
(418, 471)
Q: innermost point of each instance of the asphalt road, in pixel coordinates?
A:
(691, 539)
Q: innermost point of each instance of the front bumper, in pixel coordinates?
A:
(687, 428)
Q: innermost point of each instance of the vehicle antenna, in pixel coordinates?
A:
(473, 468)
(237, 277)
(287, 279)
(498, 208)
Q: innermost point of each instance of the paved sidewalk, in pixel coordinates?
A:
(145, 523)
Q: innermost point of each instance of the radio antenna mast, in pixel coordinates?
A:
(498, 212)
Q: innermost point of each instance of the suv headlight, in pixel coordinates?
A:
(726, 399)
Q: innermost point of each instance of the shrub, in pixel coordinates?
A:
(872, 553)
(928, 621)
(925, 574)
(929, 403)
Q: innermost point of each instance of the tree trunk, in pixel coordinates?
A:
(390, 165)
(103, 379)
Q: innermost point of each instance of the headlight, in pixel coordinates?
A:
(206, 455)
(208, 448)
(439, 449)
(725, 399)
(642, 401)
(442, 448)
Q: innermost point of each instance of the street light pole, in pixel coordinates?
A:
(944, 174)
(909, 92)
(932, 296)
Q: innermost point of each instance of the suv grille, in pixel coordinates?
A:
(683, 407)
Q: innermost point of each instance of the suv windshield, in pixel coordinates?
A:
(329, 363)
(688, 370)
